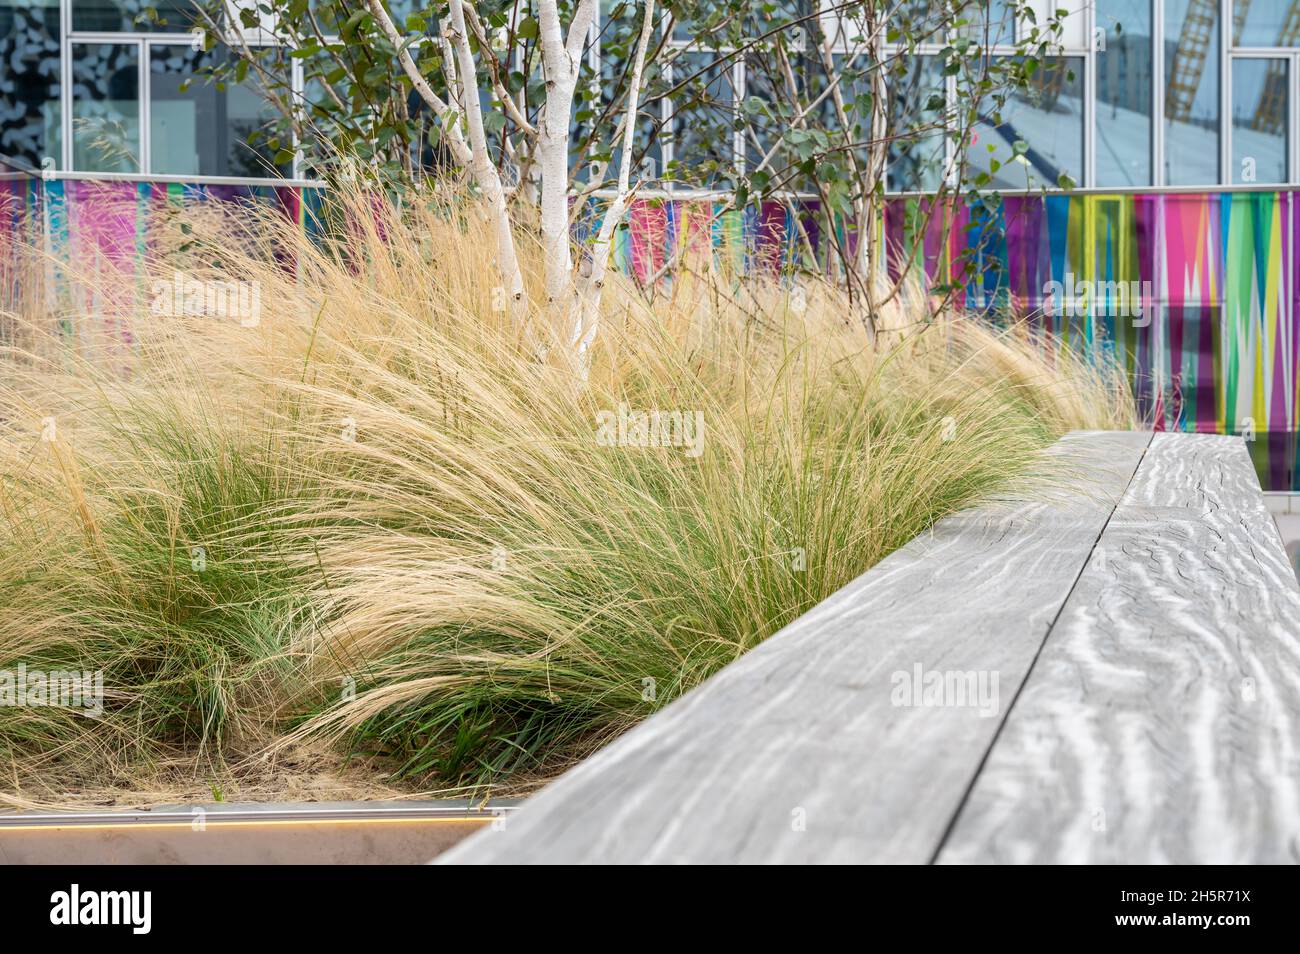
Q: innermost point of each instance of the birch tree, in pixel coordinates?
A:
(561, 53)
(839, 99)
(493, 90)
(588, 306)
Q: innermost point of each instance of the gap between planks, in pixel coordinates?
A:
(806, 720)
(1006, 716)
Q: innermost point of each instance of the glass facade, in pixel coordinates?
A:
(106, 107)
(31, 127)
(132, 16)
(1260, 107)
(196, 128)
(703, 140)
(918, 154)
(1048, 116)
(137, 99)
(1191, 104)
(1265, 23)
(1143, 95)
(1187, 93)
(1125, 96)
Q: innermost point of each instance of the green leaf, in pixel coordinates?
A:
(353, 22)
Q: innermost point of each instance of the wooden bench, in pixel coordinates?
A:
(1106, 675)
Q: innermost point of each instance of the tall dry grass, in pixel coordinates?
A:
(385, 518)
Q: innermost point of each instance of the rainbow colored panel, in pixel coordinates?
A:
(1194, 294)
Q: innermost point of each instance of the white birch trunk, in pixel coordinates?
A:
(484, 170)
(560, 63)
(587, 307)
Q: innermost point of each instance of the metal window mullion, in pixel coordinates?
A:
(143, 109)
(1225, 93)
(65, 82)
(949, 146)
(1090, 98)
(165, 39)
(737, 97)
(1157, 93)
(668, 118)
(1293, 120)
(298, 97)
(739, 81)
(175, 39)
(1292, 117)
(889, 98)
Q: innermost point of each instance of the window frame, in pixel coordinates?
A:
(1228, 53)
(1231, 53)
(144, 41)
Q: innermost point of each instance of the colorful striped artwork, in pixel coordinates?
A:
(100, 224)
(659, 234)
(1195, 295)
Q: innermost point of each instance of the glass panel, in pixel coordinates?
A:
(105, 107)
(702, 26)
(201, 130)
(769, 112)
(708, 26)
(992, 18)
(1048, 116)
(703, 120)
(1259, 120)
(647, 148)
(922, 21)
(621, 25)
(917, 112)
(762, 18)
(1123, 45)
(399, 10)
(332, 14)
(1191, 92)
(1074, 19)
(29, 84)
(1266, 23)
(133, 16)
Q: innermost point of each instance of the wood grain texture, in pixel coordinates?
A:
(1161, 722)
(796, 752)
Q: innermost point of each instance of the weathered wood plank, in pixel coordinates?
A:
(1161, 722)
(797, 752)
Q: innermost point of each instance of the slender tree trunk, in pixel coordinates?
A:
(485, 171)
(872, 214)
(587, 308)
(561, 59)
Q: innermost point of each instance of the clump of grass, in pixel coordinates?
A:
(392, 517)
